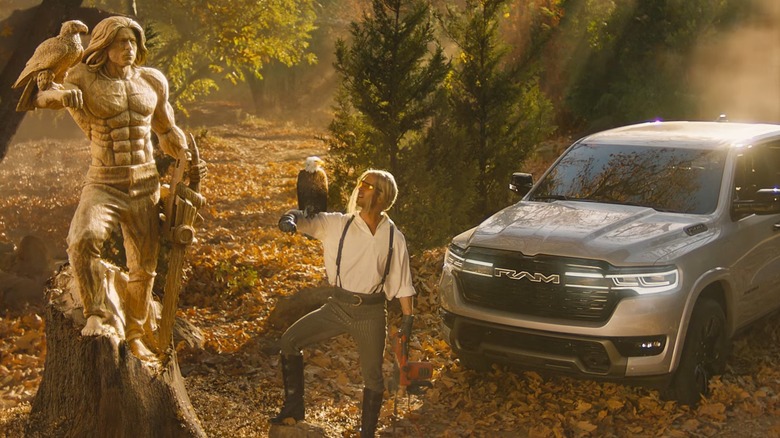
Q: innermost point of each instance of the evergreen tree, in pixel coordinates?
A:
(502, 115)
(438, 205)
(389, 77)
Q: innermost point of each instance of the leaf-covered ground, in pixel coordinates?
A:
(241, 266)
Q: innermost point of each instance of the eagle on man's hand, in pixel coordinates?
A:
(50, 62)
(312, 188)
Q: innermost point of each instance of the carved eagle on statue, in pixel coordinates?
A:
(50, 62)
(312, 187)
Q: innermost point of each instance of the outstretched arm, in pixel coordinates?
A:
(70, 97)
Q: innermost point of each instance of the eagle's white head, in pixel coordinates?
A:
(312, 164)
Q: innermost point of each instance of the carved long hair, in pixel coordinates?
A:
(385, 196)
(96, 55)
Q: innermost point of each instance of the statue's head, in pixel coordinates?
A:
(95, 55)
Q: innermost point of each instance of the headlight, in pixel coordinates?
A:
(455, 259)
(642, 282)
(478, 267)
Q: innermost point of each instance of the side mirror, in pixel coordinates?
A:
(521, 183)
(767, 201)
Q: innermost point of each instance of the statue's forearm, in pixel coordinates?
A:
(57, 99)
(172, 141)
(51, 99)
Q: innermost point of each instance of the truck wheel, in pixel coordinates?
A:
(704, 354)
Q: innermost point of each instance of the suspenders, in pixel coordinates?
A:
(381, 285)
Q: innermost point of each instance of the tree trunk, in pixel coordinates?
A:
(30, 28)
(93, 386)
(259, 95)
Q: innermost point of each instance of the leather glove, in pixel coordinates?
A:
(406, 326)
(287, 223)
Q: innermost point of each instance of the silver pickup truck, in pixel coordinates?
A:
(635, 257)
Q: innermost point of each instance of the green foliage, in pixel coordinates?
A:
(350, 151)
(390, 74)
(440, 191)
(391, 70)
(235, 279)
(453, 137)
(632, 59)
(200, 42)
(502, 114)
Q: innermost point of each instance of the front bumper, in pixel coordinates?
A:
(636, 343)
(593, 358)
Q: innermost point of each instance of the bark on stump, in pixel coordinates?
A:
(94, 386)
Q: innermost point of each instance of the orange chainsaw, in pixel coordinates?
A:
(414, 376)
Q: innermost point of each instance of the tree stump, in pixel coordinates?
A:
(94, 386)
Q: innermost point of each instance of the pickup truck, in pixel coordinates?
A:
(635, 258)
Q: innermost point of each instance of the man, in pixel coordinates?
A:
(367, 262)
(118, 103)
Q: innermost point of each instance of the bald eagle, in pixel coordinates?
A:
(312, 187)
(50, 62)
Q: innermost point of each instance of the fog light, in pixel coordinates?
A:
(640, 346)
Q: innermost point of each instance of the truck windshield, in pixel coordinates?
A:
(679, 180)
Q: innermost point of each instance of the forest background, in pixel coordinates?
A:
(452, 97)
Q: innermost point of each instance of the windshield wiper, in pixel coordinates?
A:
(550, 197)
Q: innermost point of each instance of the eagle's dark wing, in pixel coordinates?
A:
(312, 191)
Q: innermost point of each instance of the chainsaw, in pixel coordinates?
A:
(415, 377)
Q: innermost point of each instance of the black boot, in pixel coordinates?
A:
(292, 373)
(372, 404)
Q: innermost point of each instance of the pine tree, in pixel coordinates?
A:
(390, 71)
(502, 117)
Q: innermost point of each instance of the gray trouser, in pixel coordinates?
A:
(367, 324)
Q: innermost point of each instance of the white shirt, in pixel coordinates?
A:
(364, 254)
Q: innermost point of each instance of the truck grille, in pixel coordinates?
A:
(590, 354)
(536, 297)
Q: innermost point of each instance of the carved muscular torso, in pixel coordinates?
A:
(117, 114)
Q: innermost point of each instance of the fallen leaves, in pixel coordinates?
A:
(241, 265)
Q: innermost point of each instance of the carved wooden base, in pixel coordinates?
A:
(93, 386)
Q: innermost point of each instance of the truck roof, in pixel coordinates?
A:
(713, 135)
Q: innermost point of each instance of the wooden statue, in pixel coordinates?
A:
(118, 103)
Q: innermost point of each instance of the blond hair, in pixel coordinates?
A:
(387, 191)
(96, 55)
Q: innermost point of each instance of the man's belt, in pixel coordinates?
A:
(357, 299)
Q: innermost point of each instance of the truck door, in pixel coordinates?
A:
(758, 271)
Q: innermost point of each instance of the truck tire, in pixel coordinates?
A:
(704, 354)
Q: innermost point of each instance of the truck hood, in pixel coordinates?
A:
(618, 234)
